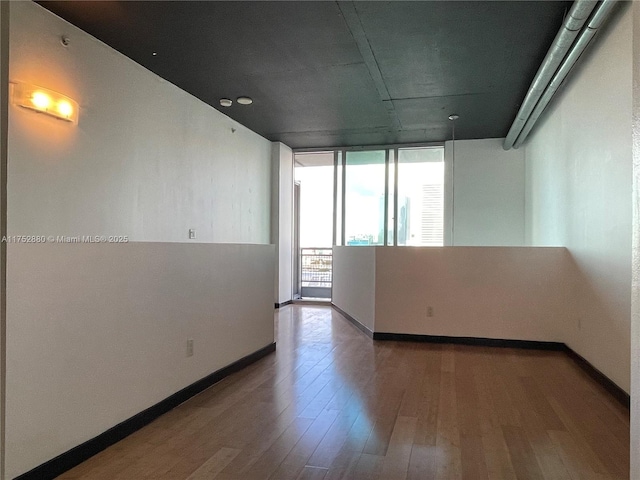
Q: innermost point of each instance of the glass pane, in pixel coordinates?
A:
(390, 205)
(316, 200)
(364, 198)
(338, 205)
(420, 196)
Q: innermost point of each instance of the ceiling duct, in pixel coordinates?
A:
(580, 11)
(600, 15)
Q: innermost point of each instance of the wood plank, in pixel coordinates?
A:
(368, 467)
(423, 462)
(523, 458)
(215, 464)
(472, 457)
(448, 438)
(313, 473)
(396, 461)
(282, 464)
(496, 453)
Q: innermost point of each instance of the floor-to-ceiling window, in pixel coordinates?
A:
(368, 196)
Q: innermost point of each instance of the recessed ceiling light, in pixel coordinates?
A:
(154, 53)
(225, 102)
(244, 100)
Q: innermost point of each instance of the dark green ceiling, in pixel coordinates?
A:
(339, 73)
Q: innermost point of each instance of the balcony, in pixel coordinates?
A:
(316, 272)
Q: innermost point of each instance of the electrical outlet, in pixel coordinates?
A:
(192, 234)
(190, 347)
(429, 311)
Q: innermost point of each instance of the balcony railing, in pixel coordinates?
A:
(316, 272)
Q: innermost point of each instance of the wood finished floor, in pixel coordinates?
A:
(332, 404)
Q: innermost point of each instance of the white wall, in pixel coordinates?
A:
(96, 333)
(488, 194)
(4, 84)
(146, 160)
(282, 218)
(635, 302)
(516, 293)
(487, 292)
(354, 282)
(579, 178)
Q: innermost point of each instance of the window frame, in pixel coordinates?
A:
(339, 188)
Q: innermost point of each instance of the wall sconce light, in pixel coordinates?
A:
(45, 101)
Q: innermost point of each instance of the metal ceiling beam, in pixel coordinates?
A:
(573, 23)
(600, 15)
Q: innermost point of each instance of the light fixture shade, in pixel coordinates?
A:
(46, 101)
(244, 100)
